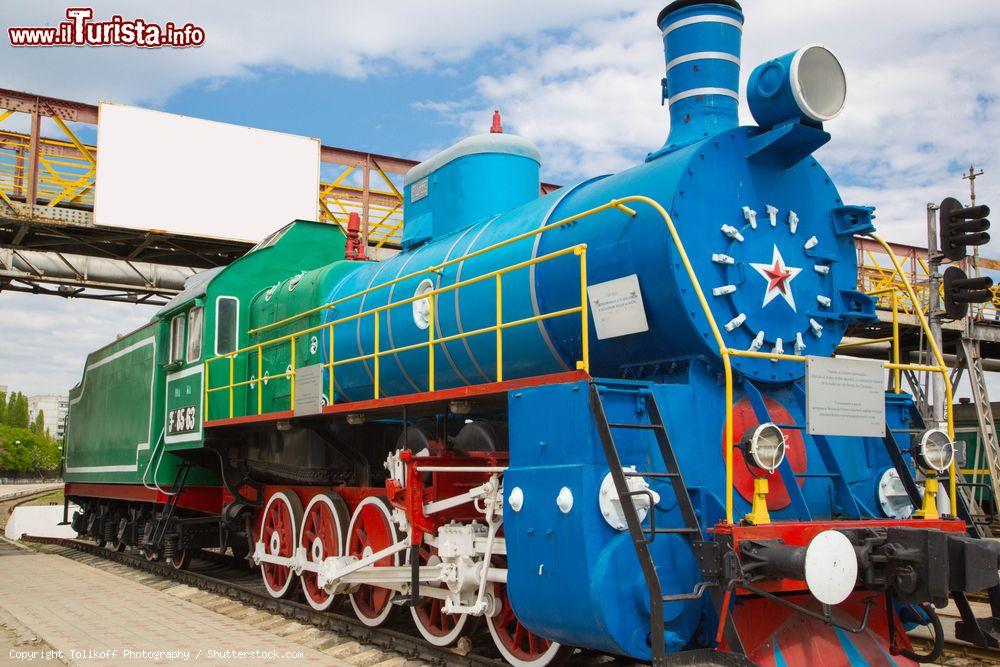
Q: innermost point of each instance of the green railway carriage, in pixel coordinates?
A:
(136, 417)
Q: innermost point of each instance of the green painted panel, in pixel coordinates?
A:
(115, 423)
(110, 431)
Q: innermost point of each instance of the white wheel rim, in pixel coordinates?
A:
(324, 499)
(439, 640)
(540, 661)
(374, 500)
(294, 508)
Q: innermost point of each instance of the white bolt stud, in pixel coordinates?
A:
(772, 214)
(821, 269)
(736, 322)
(823, 300)
(811, 243)
(720, 258)
(564, 500)
(750, 216)
(800, 345)
(793, 221)
(758, 341)
(732, 233)
(816, 328)
(779, 347)
(725, 289)
(516, 499)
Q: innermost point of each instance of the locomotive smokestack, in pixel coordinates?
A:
(701, 41)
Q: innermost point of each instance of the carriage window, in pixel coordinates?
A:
(194, 334)
(177, 338)
(227, 311)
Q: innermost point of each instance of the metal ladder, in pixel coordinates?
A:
(987, 427)
(642, 537)
(180, 479)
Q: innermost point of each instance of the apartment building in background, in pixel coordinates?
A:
(54, 409)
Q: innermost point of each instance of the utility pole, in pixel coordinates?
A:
(971, 178)
(934, 311)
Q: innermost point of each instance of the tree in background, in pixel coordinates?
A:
(37, 425)
(25, 446)
(17, 410)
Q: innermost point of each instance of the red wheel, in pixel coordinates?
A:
(372, 531)
(322, 537)
(518, 645)
(278, 527)
(437, 627)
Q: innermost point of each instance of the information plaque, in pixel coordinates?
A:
(845, 397)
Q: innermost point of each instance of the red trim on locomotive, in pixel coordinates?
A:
(208, 499)
(470, 391)
(775, 635)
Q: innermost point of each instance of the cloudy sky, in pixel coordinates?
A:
(579, 78)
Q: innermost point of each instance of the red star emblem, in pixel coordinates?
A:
(779, 278)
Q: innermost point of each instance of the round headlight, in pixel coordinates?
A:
(764, 446)
(935, 450)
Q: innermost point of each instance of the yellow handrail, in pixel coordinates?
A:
(941, 367)
(436, 269)
(433, 341)
(726, 353)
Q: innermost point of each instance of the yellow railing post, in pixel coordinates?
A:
(499, 300)
(941, 367)
(377, 355)
(332, 386)
(232, 382)
(260, 379)
(895, 342)
(713, 326)
(430, 341)
(291, 376)
(584, 364)
(204, 411)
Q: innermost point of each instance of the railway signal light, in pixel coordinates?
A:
(960, 291)
(962, 226)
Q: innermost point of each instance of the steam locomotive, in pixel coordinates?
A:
(608, 418)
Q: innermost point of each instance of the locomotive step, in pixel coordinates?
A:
(625, 425)
(670, 531)
(655, 475)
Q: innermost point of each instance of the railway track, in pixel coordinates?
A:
(226, 577)
(9, 503)
(959, 654)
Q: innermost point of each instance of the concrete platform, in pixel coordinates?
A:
(96, 618)
(15, 490)
(40, 520)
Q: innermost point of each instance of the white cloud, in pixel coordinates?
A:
(342, 37)
(45, 340)
(922, 99)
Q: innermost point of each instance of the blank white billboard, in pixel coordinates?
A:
(158, 170)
